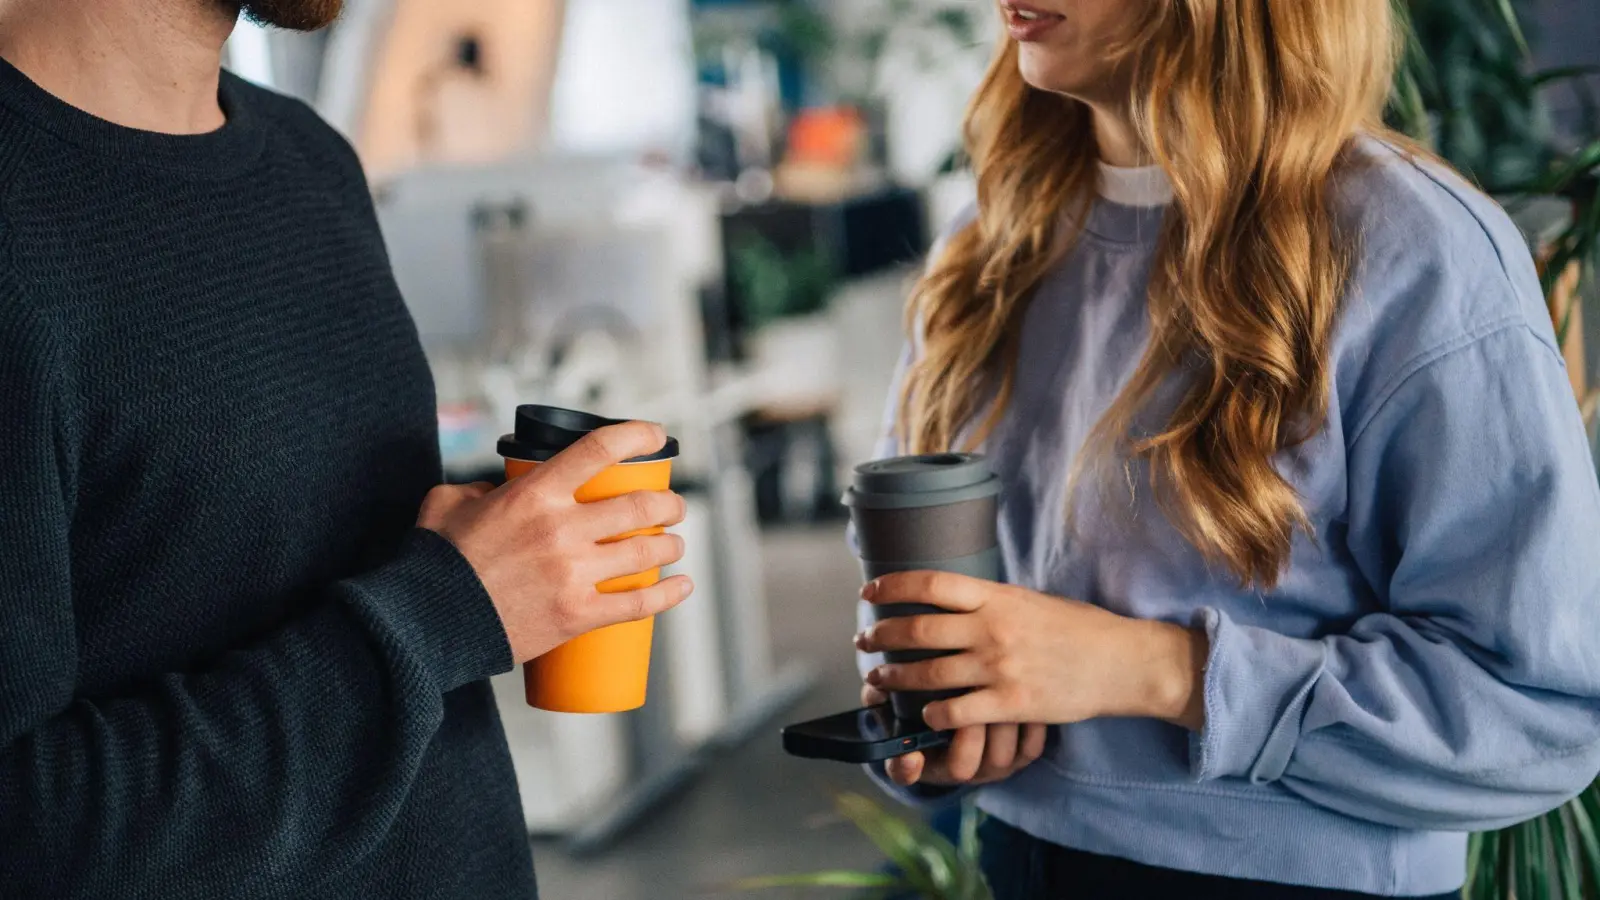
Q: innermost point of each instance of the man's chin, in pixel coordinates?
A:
(293, 15)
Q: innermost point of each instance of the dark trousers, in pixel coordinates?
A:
(1021, 867)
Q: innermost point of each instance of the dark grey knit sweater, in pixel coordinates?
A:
(229, 666)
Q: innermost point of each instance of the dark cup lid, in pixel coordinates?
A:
(927, 480)
(544, 431)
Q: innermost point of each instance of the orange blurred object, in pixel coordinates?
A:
(830, 136)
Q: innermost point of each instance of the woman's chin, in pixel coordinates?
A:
(1045, 70)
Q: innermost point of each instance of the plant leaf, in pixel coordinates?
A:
(926, 860)
(1482, 874)
(1542, 849)
(1409, 109)
(1563, 843)
(833, 879)
(1508, 17)
(1577, 165)
(1562, 73)
(969, 848)
(1508, 865)
(1584, 824)
(1528, 862)
(1555, 265)
(1475, 858)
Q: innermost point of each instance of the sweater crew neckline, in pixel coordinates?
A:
(220, 151)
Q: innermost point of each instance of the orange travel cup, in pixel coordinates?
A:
(608, 670)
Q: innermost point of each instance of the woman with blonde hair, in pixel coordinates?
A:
(1302, 534)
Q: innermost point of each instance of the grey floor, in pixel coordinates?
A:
(757, 812)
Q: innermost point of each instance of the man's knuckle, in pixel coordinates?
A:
(568, 610)
(641, 508)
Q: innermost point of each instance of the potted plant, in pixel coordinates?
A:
(923, 864)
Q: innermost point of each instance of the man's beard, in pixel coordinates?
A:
(294, 15)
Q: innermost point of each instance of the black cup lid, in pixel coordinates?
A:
(544, 431)
(926, 480)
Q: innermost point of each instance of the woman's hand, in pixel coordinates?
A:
(1030, 657)
(975, 755)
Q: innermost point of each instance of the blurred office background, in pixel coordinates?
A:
(705, 213)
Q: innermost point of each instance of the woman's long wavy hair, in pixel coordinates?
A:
(1251, 107)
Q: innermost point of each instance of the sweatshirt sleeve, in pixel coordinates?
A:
(1472, 700)
(281, 763)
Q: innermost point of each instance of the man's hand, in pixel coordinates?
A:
(539, 552)
(976, 755)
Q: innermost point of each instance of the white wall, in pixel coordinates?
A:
(625, 83)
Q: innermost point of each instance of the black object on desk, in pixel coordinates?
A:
(853, 238)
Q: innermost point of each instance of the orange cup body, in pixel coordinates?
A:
(607, 670)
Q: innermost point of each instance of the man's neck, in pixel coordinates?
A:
(147, 64)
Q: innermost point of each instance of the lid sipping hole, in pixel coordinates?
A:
(946, 459)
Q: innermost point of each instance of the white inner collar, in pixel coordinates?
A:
(1141, 186)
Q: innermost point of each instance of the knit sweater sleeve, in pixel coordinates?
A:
(264, 772)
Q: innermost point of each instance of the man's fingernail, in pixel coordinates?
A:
(869, 590)
(861, 640)
(875, 676)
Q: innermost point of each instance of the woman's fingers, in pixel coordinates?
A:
(980, 707)
(957, 593)
(963, 670)
(871, 696)
(1032, 744)
(964, 757)
(975, 755)
(999, 752)
(935, 632)
(906, 770)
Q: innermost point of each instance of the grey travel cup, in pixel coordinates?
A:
(935, 512)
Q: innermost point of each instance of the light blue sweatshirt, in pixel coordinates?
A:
(1429, 664)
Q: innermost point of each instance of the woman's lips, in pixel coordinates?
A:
(1029, 23)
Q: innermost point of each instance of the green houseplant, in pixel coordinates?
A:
(923, 863)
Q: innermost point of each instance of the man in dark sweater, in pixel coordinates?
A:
(244, 635)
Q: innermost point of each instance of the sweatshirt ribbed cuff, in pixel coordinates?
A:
(1257, 685)
(429, 599)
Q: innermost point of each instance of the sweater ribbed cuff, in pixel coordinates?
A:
(1257, 685)
(429, 599)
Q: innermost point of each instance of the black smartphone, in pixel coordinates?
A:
(866, 735)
